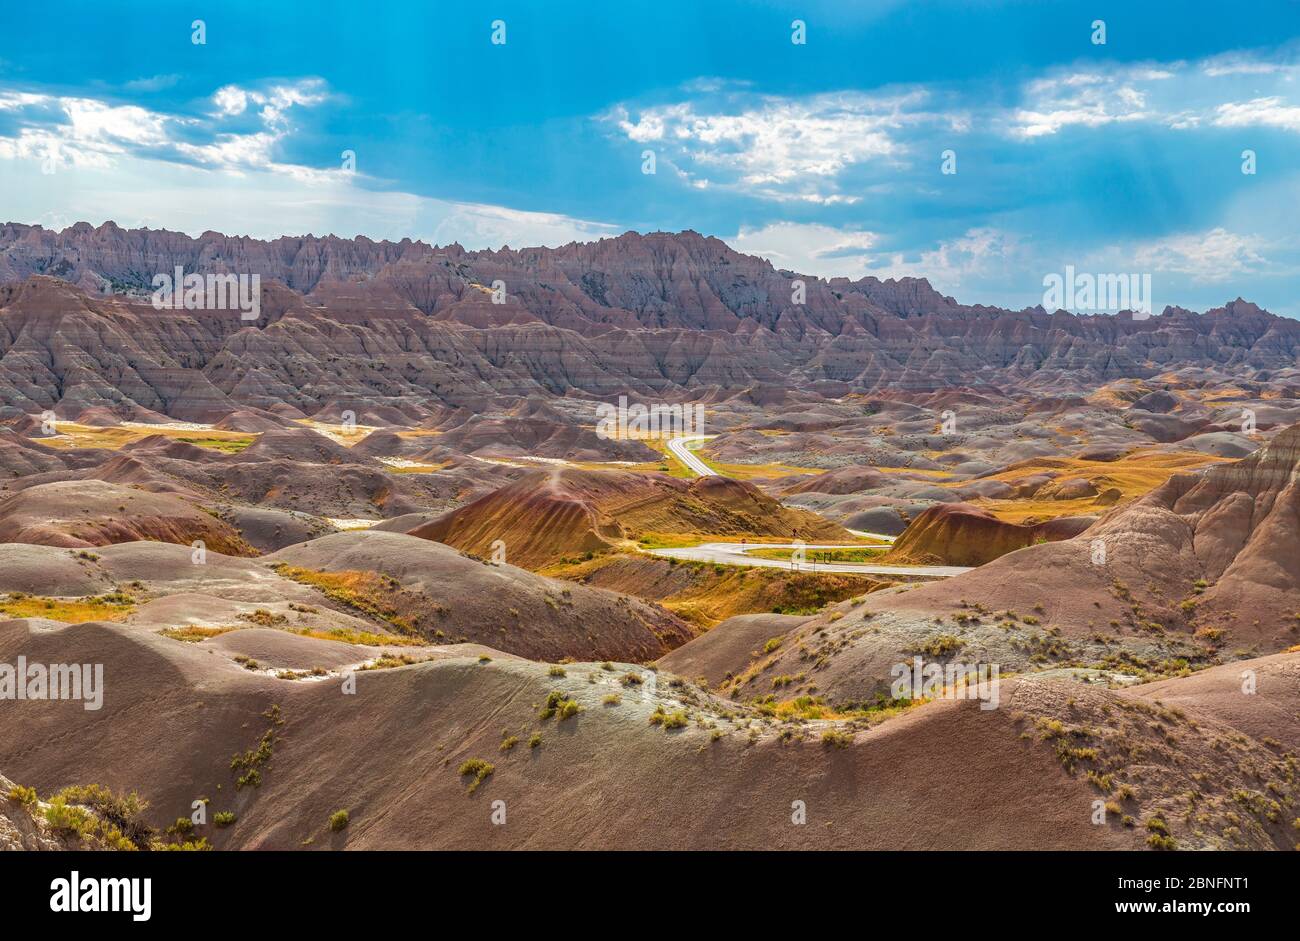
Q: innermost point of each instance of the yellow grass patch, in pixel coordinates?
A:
(757, 471)
(644, 467)
(419, 469)
(654, 539)
(213, 443)
(346, 635)
(854, 556)
(1133, 476)
(112, 607)
(192, 634)
(812, 707)
(359, 590)
(72, 435)
(717, 592)
(346, 435)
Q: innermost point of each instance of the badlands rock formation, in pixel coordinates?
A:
(407, 328)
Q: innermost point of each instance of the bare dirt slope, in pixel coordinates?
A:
(959, 534)
(728, 646)
(1199, 571)
(445, 595)
(387, 584)
(89, 513)
(596, 779)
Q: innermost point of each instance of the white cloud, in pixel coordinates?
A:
(1088, 99)
(87, 132)
(1205, 93)
(1239, 64)
(82, 132)
(136, 167)
(12, 101)
(476, 225)
(100, 125)
(780, 148)
(1266, 112)
(1207, 257)
(230, 100)
(830, 252)
(976, 254)
(821, 250)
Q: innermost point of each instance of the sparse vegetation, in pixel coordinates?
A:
(110, 607)
(669, 720)
(23, 795)
(248, 765)
(479, 770)
(941, 645)
(837, 739)
(99, 816)
(370, 593)
(191, 634)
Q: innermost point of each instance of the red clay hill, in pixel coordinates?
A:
(550, 516)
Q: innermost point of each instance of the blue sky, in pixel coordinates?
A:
(826, 157)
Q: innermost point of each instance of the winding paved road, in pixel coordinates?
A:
(683, 453)
(734, 553)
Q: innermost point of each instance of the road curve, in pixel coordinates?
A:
(683, 454)
(734, 553)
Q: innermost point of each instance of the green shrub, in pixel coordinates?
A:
(479, 769)
(120, 815)
(669, 720)
(569, 708)
(831, 737)
(67, 819)
(23, 795)
(553, 700)
(941, 645)
(190, 846)
(338, 820)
